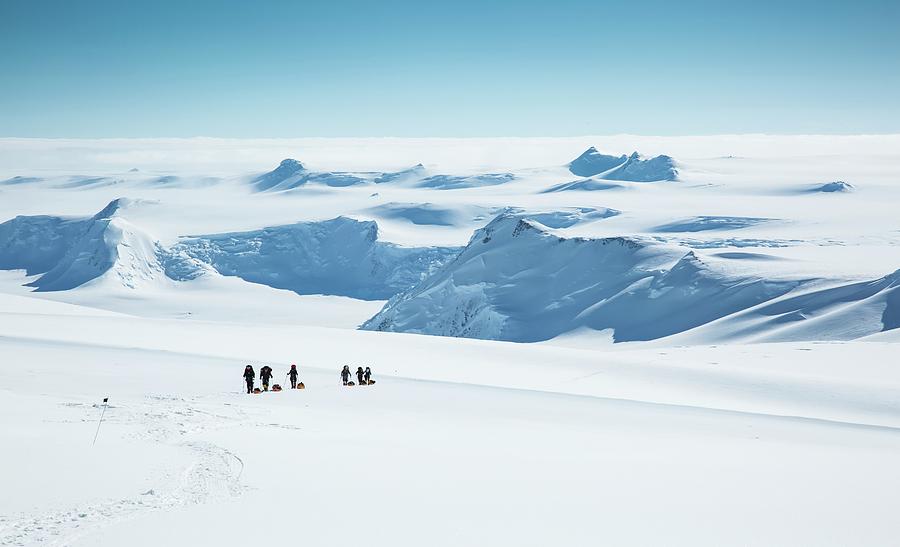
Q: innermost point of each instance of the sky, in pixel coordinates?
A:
(278, 68)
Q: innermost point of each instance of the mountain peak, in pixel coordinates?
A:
(113, 207)
(292, 164)
(591, 162)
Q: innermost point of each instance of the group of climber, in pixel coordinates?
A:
(364, 377)
(265, 377)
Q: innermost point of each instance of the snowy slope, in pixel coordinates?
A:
(341, 256)
(518, 281)
(71, 252)
(755, 402)
(291, 174)
(632, 168)
(485, 431)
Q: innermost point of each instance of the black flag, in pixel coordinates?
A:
(106, 399)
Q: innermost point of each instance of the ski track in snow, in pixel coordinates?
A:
(214, 474)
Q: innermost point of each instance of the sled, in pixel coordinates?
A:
(276, 387)
(301, 385)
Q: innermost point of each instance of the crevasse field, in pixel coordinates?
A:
(577, 341)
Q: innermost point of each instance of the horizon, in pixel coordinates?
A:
(23, 156)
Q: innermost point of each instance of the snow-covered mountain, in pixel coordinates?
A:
(291, 174)
(69, 253)
(836, 186)
(634, 168)
(518, 281)
(341, 256)
(610, 252)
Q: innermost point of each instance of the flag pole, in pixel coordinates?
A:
(105, 404)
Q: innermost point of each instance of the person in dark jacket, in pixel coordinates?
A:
(265, 374)
(367, 375)
(345, 374)
(292, 374)
(249, 375)
(359, 376)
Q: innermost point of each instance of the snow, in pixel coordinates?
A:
(837, 186)
(591, 162)
(708, 344)
(632, 168)
(589, 185)
(638, 169)
(704, 223)
(497, 288)
(341, 257)
(453, 182)
(291, 174)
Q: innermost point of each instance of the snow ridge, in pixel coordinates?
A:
(291, 174)
(341, 256)
(518, 281)
(72, 252)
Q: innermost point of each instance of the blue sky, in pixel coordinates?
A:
(395, 68)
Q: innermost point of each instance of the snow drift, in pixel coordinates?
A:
(585, 185)
(18, 179)
(565, 217)
(711, 223)
(627, 168)
(423, 214)
(843, 311)
(518, 281)
(453, 182)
